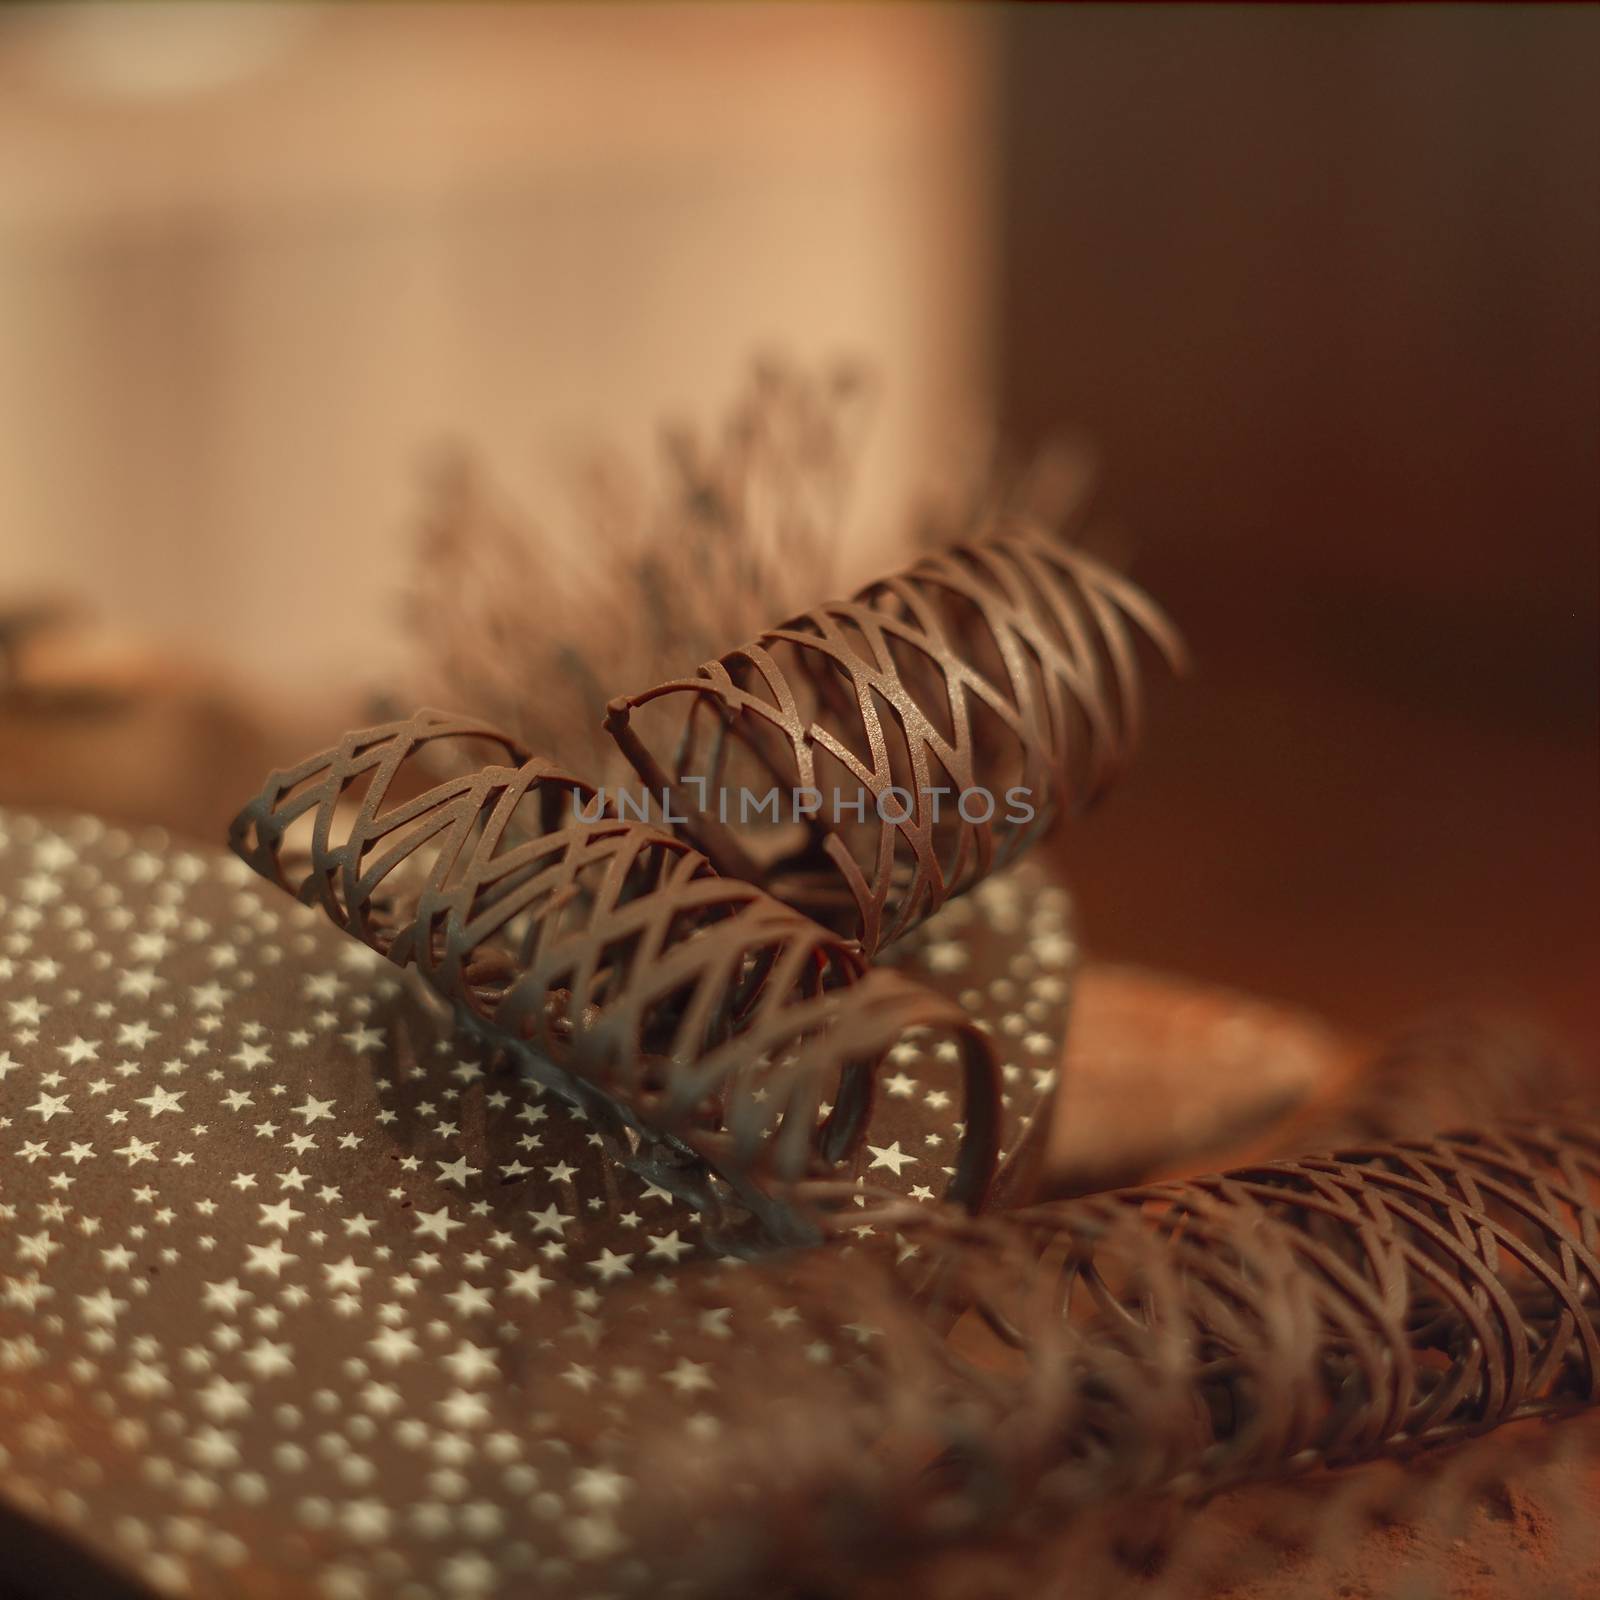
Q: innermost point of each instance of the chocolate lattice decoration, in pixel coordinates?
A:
(686, 1012)
(964, 701)
(1306, 1313)
(1026, 1372)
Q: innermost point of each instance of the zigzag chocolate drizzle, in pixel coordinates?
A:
(967, 700)
(691, 1015)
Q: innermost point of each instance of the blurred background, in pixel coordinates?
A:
(1315, 288)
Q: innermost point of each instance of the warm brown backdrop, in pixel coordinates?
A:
(1323, 285)
(1320, 283)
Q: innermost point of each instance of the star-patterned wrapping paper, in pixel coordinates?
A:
(300, 1294)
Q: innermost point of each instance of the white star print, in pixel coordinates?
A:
(393, 1345)
(599, 1486)
(268, 1360)
(609, 1265)
(550, 1220)
(470, 1300)
(344, 1274)
(669, 1247)
(226, 1297)
(381, 1398)
(437, 1224)
(688, 1376)
(222, 1399)
(528, 1282)
(101, 1307)
(470, 1363)
(464, 1410)
(27, 1293)
(269, 1259)
(456, 1171)
(890, 1156)
(281, 1216)
(314, 1110)
(366, 1521)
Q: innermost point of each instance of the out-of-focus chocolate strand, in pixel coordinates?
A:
(1452, 1069)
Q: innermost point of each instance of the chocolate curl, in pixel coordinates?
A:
(1143, 1345)
(686, 1013)
(1000, 674)
(1317, 1312)
(362, 811)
